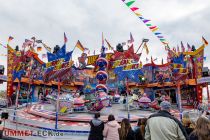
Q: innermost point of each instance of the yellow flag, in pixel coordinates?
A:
(153, 30)
(138, 14)
(146, 48)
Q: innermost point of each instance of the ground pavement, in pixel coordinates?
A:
(25, 120)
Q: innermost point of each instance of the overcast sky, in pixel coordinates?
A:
(85, 20)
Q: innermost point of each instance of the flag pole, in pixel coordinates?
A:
(140, 46)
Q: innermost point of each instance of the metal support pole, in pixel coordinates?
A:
(179, 99)
(139, 46)
(16, 102)
(128, 107)
(57, 105)
(207, 87)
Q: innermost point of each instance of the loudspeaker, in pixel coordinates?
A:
(4, 115)
(119, 48)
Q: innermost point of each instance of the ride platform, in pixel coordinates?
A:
(48, 111)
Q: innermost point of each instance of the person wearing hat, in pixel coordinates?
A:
(163, 126)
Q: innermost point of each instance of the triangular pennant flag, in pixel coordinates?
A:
(146, 20)
(130, 3)
(204, 58)
(102, 39)
(162, 39)
(204, 41)
(182, 46)
(167, 46)
(157, 33)
(134, 8)
(165, 43)
(65, 38)
(153, 27)
(138, 14)
(141, 18)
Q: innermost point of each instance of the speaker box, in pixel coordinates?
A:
(4, 115)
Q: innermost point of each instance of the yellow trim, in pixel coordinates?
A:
(195, 52)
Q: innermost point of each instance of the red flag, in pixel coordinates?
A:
(131, 39)
(174, 49)
(44, 55)
(65, 38)
(189, 47)
(182, 46)
(178, 48)
(102, 39)
(134, 8)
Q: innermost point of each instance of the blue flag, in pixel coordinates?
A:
(18, 74)
(51, 57)
(132, 75)
(68, 56)
(61, 53)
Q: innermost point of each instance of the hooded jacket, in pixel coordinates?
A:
(96, 130)
(111, 130)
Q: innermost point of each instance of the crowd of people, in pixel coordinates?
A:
(159, 126)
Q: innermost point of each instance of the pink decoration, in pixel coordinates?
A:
(134, 8)
(144, 100)
(79, 101)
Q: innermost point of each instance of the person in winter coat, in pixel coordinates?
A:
(202, 130)
(126, 132)
(163, 126)
(111, 129)
(139, 130)
(96, 128)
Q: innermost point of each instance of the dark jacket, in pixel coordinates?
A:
(193, 136)
(130, 136)
(188, 130)
(96, 130)
(138, 133)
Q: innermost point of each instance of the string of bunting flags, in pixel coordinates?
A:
(147, 22)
